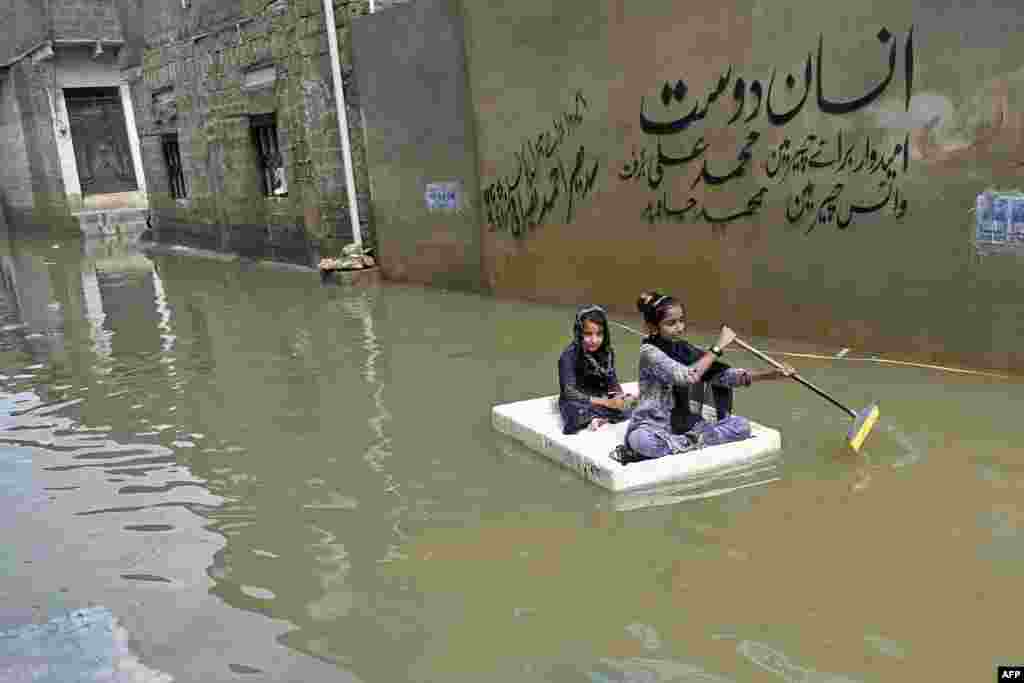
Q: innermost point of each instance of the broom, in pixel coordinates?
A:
(863, 422)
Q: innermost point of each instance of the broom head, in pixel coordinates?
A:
(862, 426)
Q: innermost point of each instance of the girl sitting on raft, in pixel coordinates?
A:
(589, 391)
(661, 422)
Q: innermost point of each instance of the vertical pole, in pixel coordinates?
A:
(339, 100)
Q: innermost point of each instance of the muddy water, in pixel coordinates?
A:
(236, 473)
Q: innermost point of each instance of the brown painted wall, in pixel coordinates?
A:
(902, 281)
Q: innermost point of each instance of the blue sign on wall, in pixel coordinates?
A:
(443, 196)
(999, 222)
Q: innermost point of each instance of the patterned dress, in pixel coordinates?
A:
(576, 388)
(661, 379)
(582, 375)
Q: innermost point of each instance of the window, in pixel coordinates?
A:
(268, 151)
(175, 174)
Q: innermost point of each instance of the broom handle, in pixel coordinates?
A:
(795, 376)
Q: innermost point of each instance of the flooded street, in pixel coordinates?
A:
(240, 473)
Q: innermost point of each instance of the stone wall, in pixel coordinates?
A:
(205, 71)
(23, 26)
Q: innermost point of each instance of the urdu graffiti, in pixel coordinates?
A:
(865, 164)
(542, 181)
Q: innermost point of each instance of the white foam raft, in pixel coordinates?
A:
(538, 424)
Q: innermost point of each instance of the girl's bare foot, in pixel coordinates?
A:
(597, 423)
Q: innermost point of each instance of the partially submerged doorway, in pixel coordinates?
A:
(100, 138)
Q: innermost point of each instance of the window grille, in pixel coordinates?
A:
(175, 173)
(268, 151)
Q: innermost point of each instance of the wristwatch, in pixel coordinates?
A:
(717, 351)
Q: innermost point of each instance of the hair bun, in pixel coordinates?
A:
(643, 303)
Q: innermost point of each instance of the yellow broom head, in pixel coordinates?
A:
(862, 426)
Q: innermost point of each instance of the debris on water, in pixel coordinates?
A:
(257, 592)
(887, 647)
(244, 669)
(352, 258)
(338, 502)
(647, 636)
(842, 353)
(734, 554)
(145, 577)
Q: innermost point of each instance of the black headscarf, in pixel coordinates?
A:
(595, 369)
(683, 419)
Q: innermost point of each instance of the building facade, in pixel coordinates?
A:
(71, 146)
(801, 169)
(237, 117)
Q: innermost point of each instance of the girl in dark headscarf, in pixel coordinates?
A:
(669, 367)
(589, 391)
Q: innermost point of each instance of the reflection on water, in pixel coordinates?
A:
(259, 475)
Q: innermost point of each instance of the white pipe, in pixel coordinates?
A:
(339, 101)
(371, 6)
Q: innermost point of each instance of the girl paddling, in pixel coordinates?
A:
(589, 391)
(662, 422)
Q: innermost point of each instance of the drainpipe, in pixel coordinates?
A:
(339, 101)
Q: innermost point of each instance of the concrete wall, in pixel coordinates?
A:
(15, 178)
(77, 68)
(415, 97)
(195, 82)
(714, 229)
(23, 26)
(32, 184)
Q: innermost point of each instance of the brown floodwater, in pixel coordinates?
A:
(249, 475)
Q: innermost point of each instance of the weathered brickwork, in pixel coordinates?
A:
(198, 82)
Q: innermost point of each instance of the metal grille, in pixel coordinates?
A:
(175, 173)
(264, 131)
